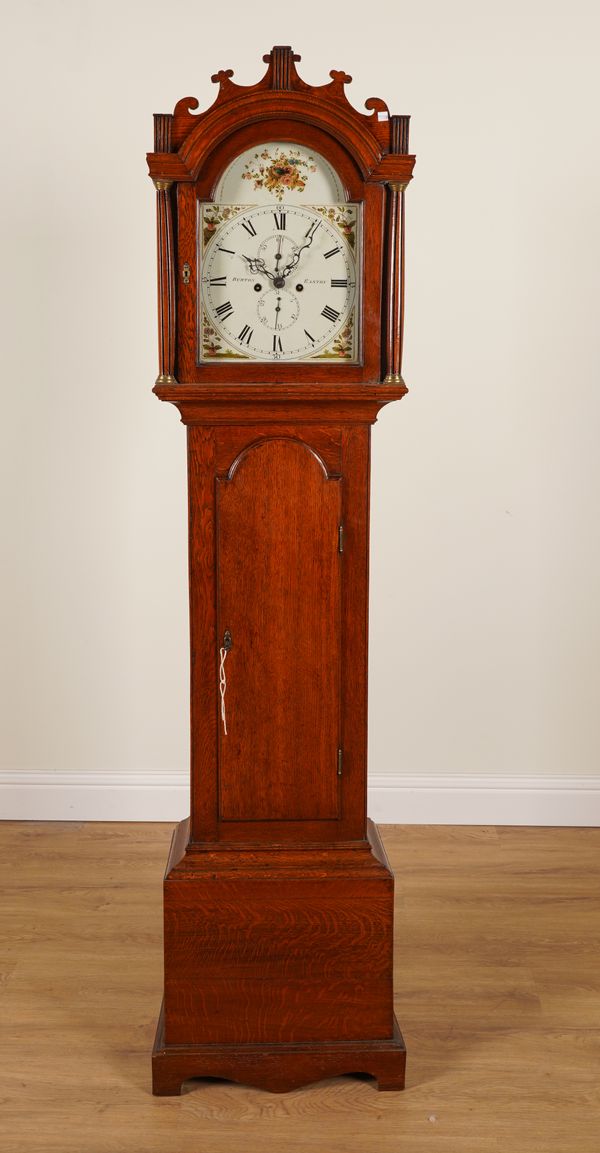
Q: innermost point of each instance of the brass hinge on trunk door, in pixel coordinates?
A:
(340, 538)
(340, 759)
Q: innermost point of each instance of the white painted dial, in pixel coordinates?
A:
(278, 283)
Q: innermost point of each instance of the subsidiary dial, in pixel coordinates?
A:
(278, 310)
(277, 251)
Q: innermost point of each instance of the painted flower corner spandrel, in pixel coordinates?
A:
(343, 216)
(213, 215)
(279, 172)
(342, 347)
(212, 346)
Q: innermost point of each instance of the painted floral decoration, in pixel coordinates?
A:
(341, 349)
(343, 216)
(214, 214)
(279, 173)
(211, 343)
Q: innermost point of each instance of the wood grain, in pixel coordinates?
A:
(278, 516)
(278, 1068)
(224, 404)
(264, 563)
(203, 631)
(259, 960)
(266, 947)
(498, 989)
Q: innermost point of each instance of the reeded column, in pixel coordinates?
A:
(399, 126)
(166, 284)
(395, 293)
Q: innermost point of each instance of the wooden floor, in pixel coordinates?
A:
(497, 990)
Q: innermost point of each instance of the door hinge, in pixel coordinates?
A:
(340, 759)
(340, 538)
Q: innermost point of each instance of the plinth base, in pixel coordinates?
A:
(279, 1068)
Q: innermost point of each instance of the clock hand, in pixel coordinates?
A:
(257, 265)
(296, 257)
(293, 262)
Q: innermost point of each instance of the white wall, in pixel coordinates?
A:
(485, 545)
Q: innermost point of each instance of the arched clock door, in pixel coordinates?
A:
(279, 531)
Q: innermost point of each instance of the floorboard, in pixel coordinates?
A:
(497, 994)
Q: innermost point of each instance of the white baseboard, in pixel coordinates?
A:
(471, 800)
(401, 800)
(94, 796)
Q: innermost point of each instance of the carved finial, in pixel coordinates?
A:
(222, 76)
(340, 77)
(283, 67)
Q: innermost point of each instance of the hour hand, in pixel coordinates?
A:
(256, 265)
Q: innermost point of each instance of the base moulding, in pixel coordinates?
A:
(278, 1068)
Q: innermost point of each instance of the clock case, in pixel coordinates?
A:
(278, 898)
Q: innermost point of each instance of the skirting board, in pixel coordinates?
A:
(393, 799)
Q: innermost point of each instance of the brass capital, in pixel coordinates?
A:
(162, 185)
(397, 186)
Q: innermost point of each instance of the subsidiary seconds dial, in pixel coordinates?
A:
(279, 284)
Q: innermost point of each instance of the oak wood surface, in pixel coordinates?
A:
(499, 998)
(278, 1068)
(256, 958)
(272, 947)
(252, 403)
(265, 503)
(279, 601)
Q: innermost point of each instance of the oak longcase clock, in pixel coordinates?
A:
(280, 261)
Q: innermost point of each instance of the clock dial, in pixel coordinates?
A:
(279, 283)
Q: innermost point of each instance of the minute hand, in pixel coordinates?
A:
(296, 257)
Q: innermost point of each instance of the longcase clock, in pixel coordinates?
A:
(280, 262)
